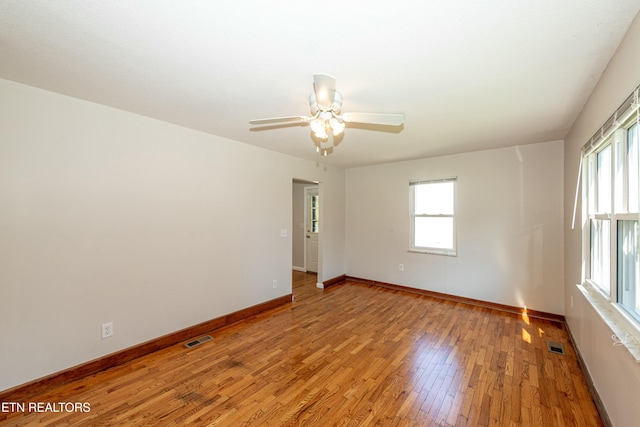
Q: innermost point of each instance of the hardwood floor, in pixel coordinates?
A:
(352, 354)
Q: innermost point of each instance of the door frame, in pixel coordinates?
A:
(315, 188)
(319, 186)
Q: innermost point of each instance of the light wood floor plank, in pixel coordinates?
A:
(350, 355)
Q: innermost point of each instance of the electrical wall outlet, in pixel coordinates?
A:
(275, 284)
(401, 267)
(107, 330)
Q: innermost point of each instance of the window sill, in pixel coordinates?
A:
(626, 332)
(434, 252)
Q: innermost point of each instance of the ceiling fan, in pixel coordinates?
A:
(327, 120)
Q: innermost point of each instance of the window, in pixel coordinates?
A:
(628, 295)
(314, 214)
(600, 254)
(433, 225)
(610, 175)
(599, 218)
(612, 193)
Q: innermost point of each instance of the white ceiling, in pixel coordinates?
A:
(468, 75)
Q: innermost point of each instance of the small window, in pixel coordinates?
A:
(433, 216)
(314, 214)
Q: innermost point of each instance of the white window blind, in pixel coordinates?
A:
(621, 115)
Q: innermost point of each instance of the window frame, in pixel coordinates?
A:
(453, 251)
(618, 211)
(625, 326)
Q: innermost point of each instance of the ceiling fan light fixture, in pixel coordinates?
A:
(321, 133)
(336, 126)
(317, 125)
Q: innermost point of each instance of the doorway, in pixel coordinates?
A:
(312, 227)
(306, 226)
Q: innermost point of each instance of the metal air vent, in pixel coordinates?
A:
(555, 347)
(198, 341)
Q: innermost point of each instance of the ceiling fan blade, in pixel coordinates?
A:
(275, 126)
(279, 120)
(325, 88)
(374, 118)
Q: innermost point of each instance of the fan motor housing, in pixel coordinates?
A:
(336, 106)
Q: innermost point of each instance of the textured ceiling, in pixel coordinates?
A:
(467, 75)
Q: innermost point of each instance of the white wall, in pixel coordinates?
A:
(509, 223)
(110, 216)
(331, 244)
(616, 376)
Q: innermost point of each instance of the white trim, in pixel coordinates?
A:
(434, 251)
(308, 189)
(429, 250)
(433, 181)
